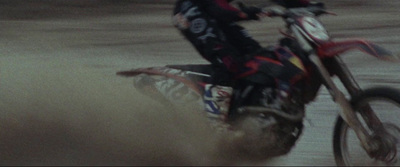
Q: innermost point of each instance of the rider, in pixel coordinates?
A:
(210, 25)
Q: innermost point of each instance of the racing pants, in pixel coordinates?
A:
(223, 44)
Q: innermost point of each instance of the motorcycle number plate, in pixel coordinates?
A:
(314, 28)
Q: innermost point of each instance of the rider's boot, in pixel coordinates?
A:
(217, 102)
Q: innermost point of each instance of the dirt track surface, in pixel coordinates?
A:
(62, 104)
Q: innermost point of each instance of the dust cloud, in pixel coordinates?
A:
(65, 116)
(53, 114)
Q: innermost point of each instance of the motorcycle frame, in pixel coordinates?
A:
(324, 54)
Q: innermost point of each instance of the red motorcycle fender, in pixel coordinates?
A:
(333, 48)
(160, 71)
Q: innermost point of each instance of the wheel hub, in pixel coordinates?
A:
(388, 141)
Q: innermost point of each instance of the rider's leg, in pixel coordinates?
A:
(210, 41)
(273, 71)
(225, 62)
(239, 38)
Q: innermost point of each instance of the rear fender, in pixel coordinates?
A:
(175, 74)
(331, 49)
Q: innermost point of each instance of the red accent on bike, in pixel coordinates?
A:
(268, 60)
(230, 64)
(202, 84)
(225, 5)
(223, 93)
(253, 65)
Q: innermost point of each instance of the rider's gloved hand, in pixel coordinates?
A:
(298, 3)
(252, 12)
(317, 4)
(292, 3)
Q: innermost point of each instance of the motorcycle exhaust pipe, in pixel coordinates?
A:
(298, 117)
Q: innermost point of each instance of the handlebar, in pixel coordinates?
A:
(278, 12)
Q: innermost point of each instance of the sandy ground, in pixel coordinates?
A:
(62, 104)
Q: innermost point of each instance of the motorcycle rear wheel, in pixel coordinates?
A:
(384, 103)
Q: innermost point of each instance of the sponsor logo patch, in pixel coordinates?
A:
(198, 25)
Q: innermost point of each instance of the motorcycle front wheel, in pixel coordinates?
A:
(379, 112)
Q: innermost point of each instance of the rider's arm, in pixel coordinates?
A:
(293, 3)
(222, 10)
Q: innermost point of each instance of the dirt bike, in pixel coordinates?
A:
(307, 45)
